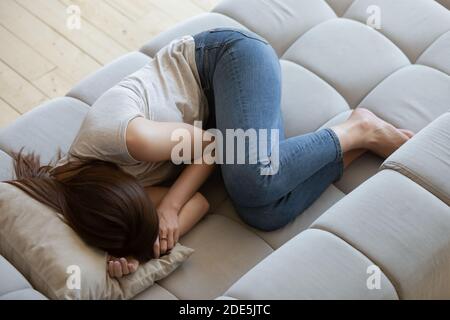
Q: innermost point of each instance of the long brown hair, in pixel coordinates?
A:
(106, 207)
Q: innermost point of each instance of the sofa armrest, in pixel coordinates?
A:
(425, 159)
(402, 228)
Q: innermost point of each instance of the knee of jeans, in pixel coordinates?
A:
(245, 184)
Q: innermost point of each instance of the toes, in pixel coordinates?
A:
(409, 133)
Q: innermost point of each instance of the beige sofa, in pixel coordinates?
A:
(383, 231)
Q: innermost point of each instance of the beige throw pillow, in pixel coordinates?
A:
(58, 263)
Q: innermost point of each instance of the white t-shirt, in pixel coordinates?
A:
(167, 89)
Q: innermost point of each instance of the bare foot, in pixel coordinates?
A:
(382, 138)
(364, 130)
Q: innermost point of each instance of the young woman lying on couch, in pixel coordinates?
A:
(108, 186)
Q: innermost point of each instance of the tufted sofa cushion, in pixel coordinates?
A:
(314, 265)
(332, 62)
(402, 228)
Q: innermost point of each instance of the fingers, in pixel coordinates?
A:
(132, 267)
(163, 241)
(176, 237)
(124, 264)
(162, 246)
(133, 264)
(170, 239)
(111, 269)
(157, 249)
(117, 269)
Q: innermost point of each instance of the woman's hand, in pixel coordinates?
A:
(119, 267)
(168, 231)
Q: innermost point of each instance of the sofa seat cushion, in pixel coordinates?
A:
(411, 25)
(224, 251)
(436, 56)
(277, 238)
(280, 22)
(425, 159)
(46, 129)
(307, 101)
(411, 98)
(337, 49)
(402, 228)
(313, 265)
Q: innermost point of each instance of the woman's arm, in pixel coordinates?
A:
(184, 188)
(152, 141)
(191, 213)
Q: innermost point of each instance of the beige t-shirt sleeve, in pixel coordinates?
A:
(103, 132)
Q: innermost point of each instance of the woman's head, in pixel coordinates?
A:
(107, 207)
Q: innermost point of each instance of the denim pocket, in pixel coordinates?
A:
(245, 33)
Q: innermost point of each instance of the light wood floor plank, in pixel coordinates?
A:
(160, 22)
(54, 84)
(206, 5)
(70, 59)
(94, 42)
(41, 58)
(179, 10)
(17, 91)
(7, 114)
(108, 20)
(130, 9)
(21, 57)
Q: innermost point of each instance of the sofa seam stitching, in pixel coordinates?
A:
(319, 77)
(431, 44)
(416, 178)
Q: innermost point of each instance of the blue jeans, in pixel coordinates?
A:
(241, 78)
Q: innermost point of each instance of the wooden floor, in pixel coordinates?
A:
(41, 57)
